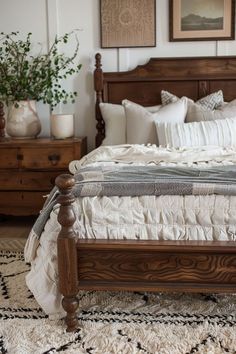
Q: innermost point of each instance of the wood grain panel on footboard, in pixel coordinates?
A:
(157, 266)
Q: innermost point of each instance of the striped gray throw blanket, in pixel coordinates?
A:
(154, 180)
(118, 180)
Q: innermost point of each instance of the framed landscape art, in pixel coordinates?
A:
(198, 20)
(128, 23)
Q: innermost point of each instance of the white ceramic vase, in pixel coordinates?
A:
(23, 121)
(62, 126)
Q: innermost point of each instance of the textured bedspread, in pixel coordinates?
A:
(154, 180)
(136, 181)
(153, 155)
(167, 217)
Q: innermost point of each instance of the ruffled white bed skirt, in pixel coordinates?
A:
(211, 217)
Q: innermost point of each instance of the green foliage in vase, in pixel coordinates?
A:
(24, 75)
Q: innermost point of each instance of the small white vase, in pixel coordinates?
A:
(23, 121)
(62, 126)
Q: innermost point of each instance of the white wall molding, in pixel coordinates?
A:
(53, 30)
(226, 48)
(222, 48)
(123, 59)
(52, 20)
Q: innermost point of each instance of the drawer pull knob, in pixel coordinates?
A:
(19, 157)
(54, 158)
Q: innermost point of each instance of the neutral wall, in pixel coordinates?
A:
(46, 18)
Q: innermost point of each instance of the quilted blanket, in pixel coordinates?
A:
(145, 180)
(154, 180)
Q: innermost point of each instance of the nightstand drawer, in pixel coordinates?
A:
(21, 203)
(28, 168)
(46, 158)
(8, 158)
(34, 181)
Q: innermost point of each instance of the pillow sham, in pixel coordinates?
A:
(212, 101)
(115, 122)
(167, 98)
(220, 132)
(140, 122)
(196, 113)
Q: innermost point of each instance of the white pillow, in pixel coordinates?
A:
(212, 101)
(115, 122)
(196, 113)
(207, 103)
(220, 132)
(140, 127)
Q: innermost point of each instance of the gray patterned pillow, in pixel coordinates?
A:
(212, 101)
(197, 113)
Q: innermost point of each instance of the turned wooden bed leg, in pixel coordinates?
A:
(67, 253)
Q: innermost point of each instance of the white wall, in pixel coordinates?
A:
(45, 18)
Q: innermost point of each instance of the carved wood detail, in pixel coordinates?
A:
(98, 84)
(66, 248)
(203, 88)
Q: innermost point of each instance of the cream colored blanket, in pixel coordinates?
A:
(151, 154)
(166, 217)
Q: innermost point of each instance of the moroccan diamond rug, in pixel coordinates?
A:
(112, 323)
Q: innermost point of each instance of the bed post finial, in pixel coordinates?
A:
(98, 85)
(98, 58)
(67, 251)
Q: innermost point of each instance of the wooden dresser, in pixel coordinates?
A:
(28, 169)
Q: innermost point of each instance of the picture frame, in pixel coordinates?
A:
(204, 20)
(126, 24)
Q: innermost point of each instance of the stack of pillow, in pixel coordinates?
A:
(209, 120)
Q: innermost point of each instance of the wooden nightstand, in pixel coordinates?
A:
(28, 169)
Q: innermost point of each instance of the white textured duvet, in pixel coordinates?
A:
(210, 217)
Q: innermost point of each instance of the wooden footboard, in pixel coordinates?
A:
(188, 266)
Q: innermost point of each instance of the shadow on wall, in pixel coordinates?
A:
(85, 123)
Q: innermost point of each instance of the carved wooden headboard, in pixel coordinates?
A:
(192, 77)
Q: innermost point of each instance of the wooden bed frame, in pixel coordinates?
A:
(187, 266)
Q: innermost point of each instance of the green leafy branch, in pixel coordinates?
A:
(37, 77)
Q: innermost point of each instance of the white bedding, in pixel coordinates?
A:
(211, 217)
